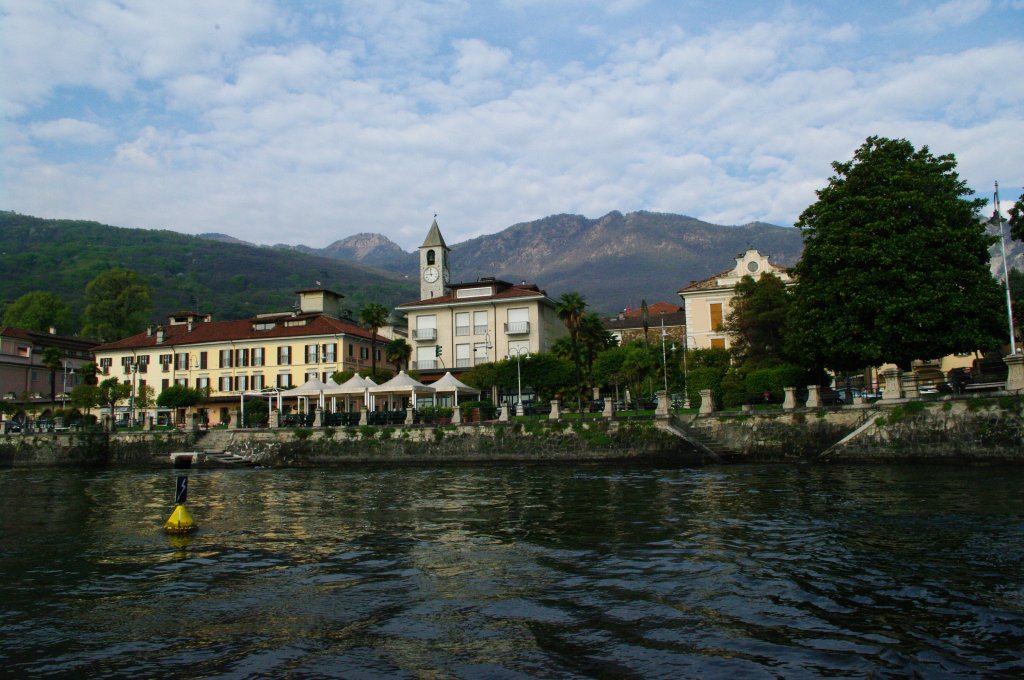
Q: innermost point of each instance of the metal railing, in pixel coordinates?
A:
(424, 334)
(517, 327)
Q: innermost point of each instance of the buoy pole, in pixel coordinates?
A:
(180, 521)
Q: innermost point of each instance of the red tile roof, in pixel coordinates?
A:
(241, 330)
(505, 290)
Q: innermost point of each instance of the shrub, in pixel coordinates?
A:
(302, 434)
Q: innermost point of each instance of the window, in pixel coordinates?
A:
(284, 380)
(164, 384)
(426, 327)
(376, 353)
(351, 350)
(257, 356)
(461, 323)
(328, 352)
(202, 360)
(473, 292)
(518, 321)
(263, 326)
(224, 384)
(225, 359)
(717, 343)
(364, 352)
(479, 323)
(425, 358)
(181, 361)
(312, 353)
(462, 358)
(257, 381)
(716, 316)
(284, 356)
(202, 383)
(480, 353)
(430, 257)
(242, 357)
(181, 381)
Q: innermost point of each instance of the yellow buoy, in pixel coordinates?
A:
(180, 521)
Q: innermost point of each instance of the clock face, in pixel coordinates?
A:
(430, 274)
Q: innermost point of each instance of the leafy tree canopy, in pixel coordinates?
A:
(1017, 219)
(755, 325)
(895, 263)
(39, 311)
(118, 303)
(179, 396)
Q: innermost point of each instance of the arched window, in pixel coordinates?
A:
(430, 257)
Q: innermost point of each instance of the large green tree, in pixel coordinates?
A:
(398, 352)
(118, 304)
(39, 311)
(1017, 219)
(374, 315)
(757, 320)
(895, 264)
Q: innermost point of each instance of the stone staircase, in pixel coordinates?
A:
(704, 441)
(214, 444)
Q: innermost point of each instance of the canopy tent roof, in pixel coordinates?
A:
(313, 386)
(401, 383)
(449, 383)
(354, 385)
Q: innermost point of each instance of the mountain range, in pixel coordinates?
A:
(614, 261)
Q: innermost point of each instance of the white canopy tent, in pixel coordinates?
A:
(449, 383)
(312, 387)
(356, 385)
(401, 384)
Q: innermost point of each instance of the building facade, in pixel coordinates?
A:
(25, 381)
(707, 303)
(456, 326)
(629, 326)
(228, 358)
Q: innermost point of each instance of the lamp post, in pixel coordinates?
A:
(64, 394)
(664, 363)
(519, 352)
(686, 385)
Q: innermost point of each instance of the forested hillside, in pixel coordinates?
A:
(228, 279)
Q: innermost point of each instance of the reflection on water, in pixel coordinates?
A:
(589, 571)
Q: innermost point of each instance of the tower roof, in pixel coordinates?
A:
(434, 238)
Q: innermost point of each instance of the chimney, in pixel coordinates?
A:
(190, 324)
(53, 330)
(160, 335)
(149, 331)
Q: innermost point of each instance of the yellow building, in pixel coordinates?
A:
(456, 326)
(279, 350)
(708, 302)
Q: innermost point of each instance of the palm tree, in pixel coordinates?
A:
(571, 308)
(52, 361)
(374, 315)
(398, 352)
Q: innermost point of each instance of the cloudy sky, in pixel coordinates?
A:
(305, 122)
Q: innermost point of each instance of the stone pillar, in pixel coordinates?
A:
(909, 383)
(410, 415)
(892, 388)
(236, 419)
(363, 420)
(556, 412)
(147, 424)
(707, 404)
(108, 423)
(275, 419)
(190, 422)
(318, 417)
(456, 416)
(609, 409)
(503, 414)
(661, 411)
(789, 402)
(813, 396)
(1015, 372)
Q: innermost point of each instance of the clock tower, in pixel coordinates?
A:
(434, 271)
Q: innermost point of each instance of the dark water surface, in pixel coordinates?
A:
(512, 572)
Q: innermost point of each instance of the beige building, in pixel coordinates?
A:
(23, 378)
(456, 326)
(708, 302)
(279, 350)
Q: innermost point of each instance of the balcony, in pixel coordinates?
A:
(426, 365)
(517, 328)
(480, 330)
(463, 363)
(461, 331)
(424, 334)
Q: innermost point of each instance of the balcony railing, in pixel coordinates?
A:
(461, 330)
(463, 363)
(424, 334)
(517, 327)
(425, 365)
(480, 330)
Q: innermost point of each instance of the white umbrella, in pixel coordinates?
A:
(313, 386)
(402, 384)
(449, 383)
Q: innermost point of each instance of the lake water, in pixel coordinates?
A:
(514, 572)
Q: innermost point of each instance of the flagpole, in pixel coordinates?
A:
(1006, 274)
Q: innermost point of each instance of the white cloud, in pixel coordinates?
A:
(948, 15)
(70, 131)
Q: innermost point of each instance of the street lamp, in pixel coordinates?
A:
(64, 394)
(686, 385)
(664, 363)
(519, 352)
